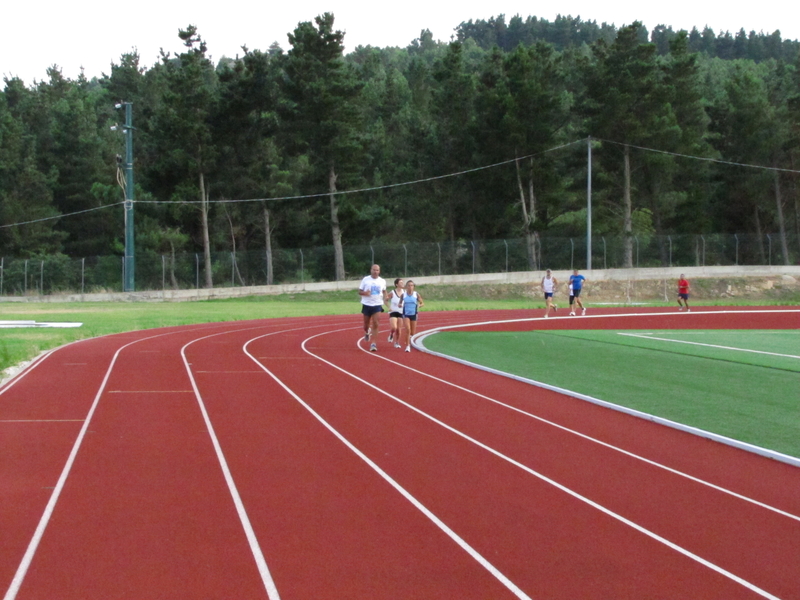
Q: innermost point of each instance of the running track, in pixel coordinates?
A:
(279, 459)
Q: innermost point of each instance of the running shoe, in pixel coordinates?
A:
(396, 345)
(391, 338)
(583, 311)
(366, 336)
(373, 348)
(408, 348)
(572, 314)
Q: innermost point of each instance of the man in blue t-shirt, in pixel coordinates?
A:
(576, 282)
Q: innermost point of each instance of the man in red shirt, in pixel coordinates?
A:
(683, 293)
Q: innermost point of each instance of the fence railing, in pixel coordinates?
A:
(61, 274)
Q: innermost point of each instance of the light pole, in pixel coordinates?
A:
(130, 263)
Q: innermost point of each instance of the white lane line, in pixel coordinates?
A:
(563, 488)
(405, 493)
(252, 539)
(33, 545)
(660, 339)
(42, 420)
(591, 439)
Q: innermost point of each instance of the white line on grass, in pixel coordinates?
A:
(660, 339)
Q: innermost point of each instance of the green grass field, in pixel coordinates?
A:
(741, 384)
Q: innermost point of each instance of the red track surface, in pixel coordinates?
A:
(279, 459)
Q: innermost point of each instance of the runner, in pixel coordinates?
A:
(412, 302)
(373, 294)
(396, 312)
(576, 282)
(683, 293)
(549, 284)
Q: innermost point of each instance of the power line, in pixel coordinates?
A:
(705, 158)
(79, 212)
(407, 183)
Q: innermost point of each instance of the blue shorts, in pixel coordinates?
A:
(548, 295)
(368, 311)
(684, 296)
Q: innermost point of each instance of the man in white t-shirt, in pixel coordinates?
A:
(373, 295)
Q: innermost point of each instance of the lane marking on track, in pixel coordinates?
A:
(557, 485)
(227, 372)
(405, 493)
(652, 337)
(418, 339)
(150, 391)
(591, 439)
(33, 545)
(250, 534)
(42, 420)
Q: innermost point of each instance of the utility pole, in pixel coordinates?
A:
(130, 262)
(589, 205)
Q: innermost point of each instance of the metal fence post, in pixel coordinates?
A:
(571, 254)
(163, 274)
(769, 250)
(669, 237)
(439, 247)
(302, 268)
(736, 237)
(506, 243)
(405, 264)
(473, 256)
(605, 257)
(83, 274)
(25, 285)
(703, 255)
(197, 271)
(41, 279)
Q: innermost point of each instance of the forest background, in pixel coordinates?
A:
(484, 137)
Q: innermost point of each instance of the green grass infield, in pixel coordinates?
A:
(742, 384)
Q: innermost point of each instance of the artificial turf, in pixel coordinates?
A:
(710, 383)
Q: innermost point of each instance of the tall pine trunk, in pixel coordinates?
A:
(781, 222)
(528, 215)
(627, 212)
(268, 243)
(204, 224)
(338, 253)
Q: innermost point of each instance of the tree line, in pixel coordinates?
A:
(482, 137)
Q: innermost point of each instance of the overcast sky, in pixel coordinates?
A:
(93, 34)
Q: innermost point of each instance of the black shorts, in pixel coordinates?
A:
(396, 315)
(576, 293)
(548, 295)
(368, 311)
(410, 317)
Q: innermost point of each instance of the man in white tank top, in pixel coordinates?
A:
(549, 285)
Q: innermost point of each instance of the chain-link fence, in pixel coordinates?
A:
(61, 274)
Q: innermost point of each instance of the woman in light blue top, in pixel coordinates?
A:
(412, 302)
